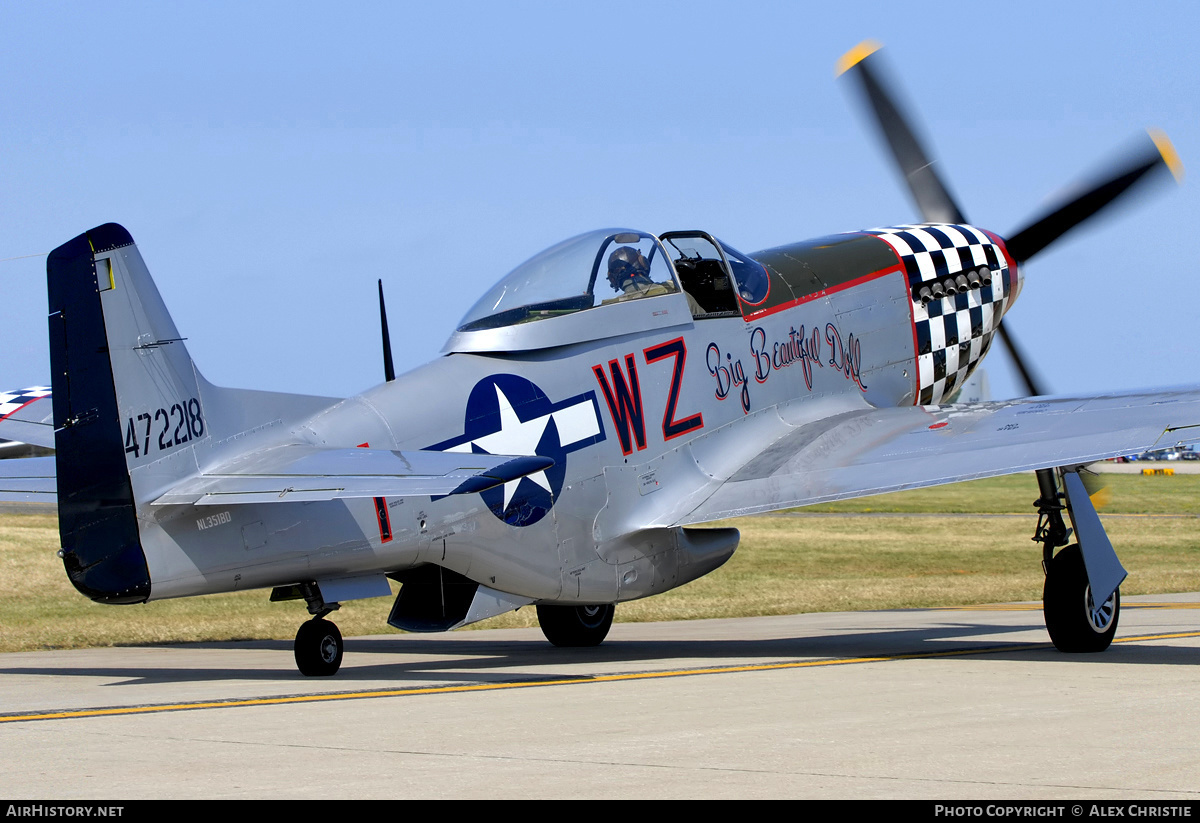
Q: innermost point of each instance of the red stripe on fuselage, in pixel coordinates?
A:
(912, 320)
(808, 298)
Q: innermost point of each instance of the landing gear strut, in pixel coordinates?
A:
(1073, 619)
(576, 626)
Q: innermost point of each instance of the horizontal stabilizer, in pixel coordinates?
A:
(305, 473)
(28, 480)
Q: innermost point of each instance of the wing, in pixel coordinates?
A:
(26, 415)
(299, 472)
(860, 452)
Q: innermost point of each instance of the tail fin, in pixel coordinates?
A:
(127, 407)
(132, 415)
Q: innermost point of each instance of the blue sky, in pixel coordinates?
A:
(273, 159)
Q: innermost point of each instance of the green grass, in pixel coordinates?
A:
(1129, 494)
(813, 560)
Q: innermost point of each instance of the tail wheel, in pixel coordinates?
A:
(318, 648)
(575, 626)
(1074, 623)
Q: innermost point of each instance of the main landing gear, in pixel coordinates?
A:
(318, 646)
(1075, 622)
(576, 626)
(1072, 619)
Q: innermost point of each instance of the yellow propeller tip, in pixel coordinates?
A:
(1169, 155)
(855, 56)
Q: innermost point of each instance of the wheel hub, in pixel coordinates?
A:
(328, 648)
(591, 615)
(1100, 618)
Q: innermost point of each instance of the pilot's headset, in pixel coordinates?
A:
(625, 263)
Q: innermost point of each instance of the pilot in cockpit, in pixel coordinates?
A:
(629, 273)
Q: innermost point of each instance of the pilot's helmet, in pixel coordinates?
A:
(624, 263)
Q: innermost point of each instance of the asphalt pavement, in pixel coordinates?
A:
(933, 703)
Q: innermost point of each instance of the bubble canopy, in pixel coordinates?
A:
(608, 283)
(593, 269)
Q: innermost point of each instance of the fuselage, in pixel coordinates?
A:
(645, 405)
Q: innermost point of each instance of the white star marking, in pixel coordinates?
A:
(520, 437)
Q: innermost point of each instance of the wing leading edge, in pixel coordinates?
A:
(863, 452)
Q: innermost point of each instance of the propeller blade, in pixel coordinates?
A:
(1158, 154)
(1096, 487)
(1032, 387)
(933, 200)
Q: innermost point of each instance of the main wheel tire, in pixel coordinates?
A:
(575, 626)
(1068, 607)
(318, 648)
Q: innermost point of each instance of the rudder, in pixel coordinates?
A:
(127, 407)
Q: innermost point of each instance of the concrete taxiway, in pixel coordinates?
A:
(954, 704)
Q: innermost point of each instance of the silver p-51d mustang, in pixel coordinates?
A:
(603, 400)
